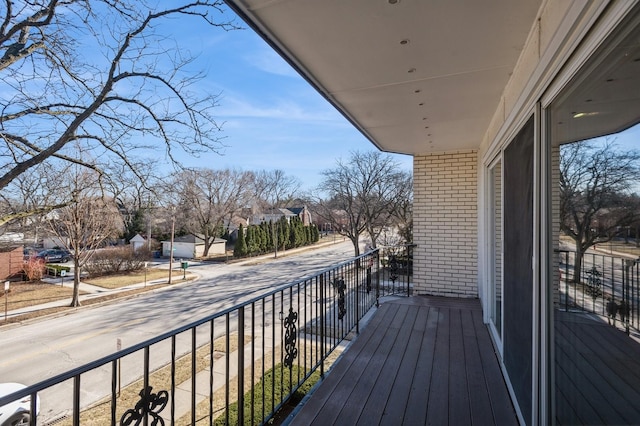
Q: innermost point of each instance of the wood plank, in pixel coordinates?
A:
(438, 402)
(416, 407)
(479, 402)
(397, 404)
(503, 410)
(376, 378)
(375, 405)
(459, 413)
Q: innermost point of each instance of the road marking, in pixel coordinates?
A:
(60, 346)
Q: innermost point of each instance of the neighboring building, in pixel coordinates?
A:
(483, 95)
(11, 237)
(138, 242)
(11, 262)
(54, 242)
(275, 215)
(192, 247)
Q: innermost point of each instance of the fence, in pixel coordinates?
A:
(607, 285)
(238, 366)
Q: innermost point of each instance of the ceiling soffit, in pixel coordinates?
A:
(415, 76)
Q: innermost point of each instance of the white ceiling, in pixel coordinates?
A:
(436, 92)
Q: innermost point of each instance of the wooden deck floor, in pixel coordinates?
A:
(421, 360)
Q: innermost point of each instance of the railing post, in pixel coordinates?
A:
(322, 324)
(76, 400)
(241, 365)
(377, 262)
(357, 290)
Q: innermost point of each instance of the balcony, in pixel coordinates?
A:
(419, 359)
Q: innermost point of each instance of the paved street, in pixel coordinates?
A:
(38, 350)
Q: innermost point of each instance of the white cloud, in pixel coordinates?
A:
(269, 61)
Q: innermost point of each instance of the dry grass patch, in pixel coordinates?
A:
(123, 280)
(25, 294)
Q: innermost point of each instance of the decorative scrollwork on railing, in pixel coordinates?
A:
(150, 404)
(340, 287)
(394, 267)
(290, 337)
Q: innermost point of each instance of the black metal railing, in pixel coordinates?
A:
(396, 269)
(607, 285)
(238, 366)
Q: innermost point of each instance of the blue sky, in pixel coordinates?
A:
(271, 117)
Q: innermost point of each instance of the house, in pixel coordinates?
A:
(483, 95)
(275, 215)
(192, 247)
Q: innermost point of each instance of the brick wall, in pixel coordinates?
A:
(445, 224)
(10, 262)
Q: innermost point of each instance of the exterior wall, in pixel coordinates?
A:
(11, 261)
(180, 250)
(216, 248)
(446, 224)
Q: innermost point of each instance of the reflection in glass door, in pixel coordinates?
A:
(595, 129)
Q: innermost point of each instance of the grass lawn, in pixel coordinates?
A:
(123, 280)
(23, 294)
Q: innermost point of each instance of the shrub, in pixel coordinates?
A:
(116, 260)
(33, 268)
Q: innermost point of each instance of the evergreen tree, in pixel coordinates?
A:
(240, 249)
(250, 240)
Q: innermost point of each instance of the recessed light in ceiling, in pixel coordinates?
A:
(411, 70)
(589, 100)
(584, 114)
(393, 1)
(609, 80)
(404, 41)
(417, 91)
(421, 104)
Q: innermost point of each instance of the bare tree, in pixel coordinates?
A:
(208, 200)
(363, 195)
(26, 201)
(596, 181)
(85, 223)
(275, 189)
(99, 73)
(133, 193)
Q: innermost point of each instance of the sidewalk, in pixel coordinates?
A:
(91, 292)
(88, 292)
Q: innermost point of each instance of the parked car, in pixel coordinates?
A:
(54, 255)
(18, 412)
(28, 253)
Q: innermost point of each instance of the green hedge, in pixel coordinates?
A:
(55, 269)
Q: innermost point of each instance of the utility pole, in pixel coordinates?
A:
(173, 230)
